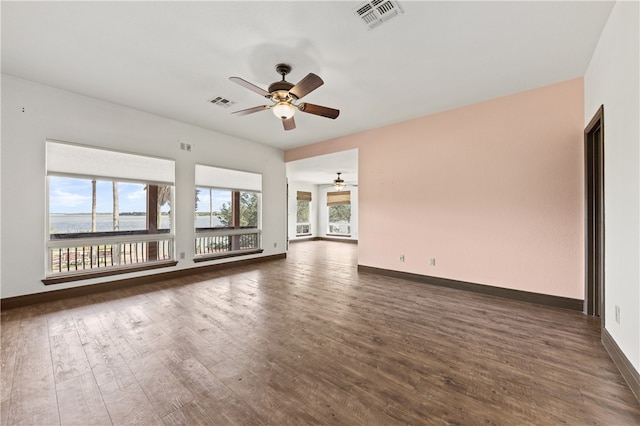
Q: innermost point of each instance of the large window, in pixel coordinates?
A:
(339, 213)
(227, 212)
(108, 212)
(303, 213)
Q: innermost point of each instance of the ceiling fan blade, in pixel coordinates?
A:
(289, 123)
(251, 110)
(250, 86)
(307, 85)
(319, 110)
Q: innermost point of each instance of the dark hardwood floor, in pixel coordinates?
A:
(306, 340)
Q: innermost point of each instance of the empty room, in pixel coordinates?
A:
(443, 228)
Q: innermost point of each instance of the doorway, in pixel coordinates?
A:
(310, 180)
(594, 216)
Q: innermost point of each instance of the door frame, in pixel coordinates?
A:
(594, 301)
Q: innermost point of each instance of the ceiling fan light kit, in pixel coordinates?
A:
(338, 183)
(283, 110)
(284, 96)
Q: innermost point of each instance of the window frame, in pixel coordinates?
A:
(304, 197)
(152, 240)
(232, 235)
(337, 198)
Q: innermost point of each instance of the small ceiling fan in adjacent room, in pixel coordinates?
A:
(284, 96)
(339, 184)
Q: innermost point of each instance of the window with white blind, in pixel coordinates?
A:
(227, 212)
(107, 212)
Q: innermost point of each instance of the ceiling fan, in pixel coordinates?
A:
(339, 184)
(284, 96)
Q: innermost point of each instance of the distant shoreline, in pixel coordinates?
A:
(107, 214)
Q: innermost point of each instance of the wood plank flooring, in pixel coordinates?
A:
(305, 340)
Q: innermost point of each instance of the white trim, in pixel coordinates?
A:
(98, 241)
(225, 231)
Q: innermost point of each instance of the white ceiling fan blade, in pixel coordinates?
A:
(244, 83)
(251, 110)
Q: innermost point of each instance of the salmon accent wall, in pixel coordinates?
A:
(493, 191)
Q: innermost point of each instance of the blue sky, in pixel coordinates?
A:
(219, 197)
(71, 195)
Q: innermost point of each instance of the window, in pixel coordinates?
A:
(303, 223)
(108, 212)
(339, 213)
(227, 212)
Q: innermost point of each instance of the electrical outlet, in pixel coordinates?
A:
(402, 258)
(617, 314)
(188, 147)
(275, 245)
(432, 261)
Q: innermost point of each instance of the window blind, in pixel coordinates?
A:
(338, 198)
(80, 160)
(216, 177)
(304, 196)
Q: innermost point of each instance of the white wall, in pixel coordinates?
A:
(57, 114)
(612, 80)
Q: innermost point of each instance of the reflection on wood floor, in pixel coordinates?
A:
(305, 340)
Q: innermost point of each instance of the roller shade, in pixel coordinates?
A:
(338, 198)
(304, 196)
(79, 160)
(215, 177)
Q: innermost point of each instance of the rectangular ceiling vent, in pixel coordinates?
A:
(222, 102)
(376, 12)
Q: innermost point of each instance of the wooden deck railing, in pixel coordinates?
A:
(210, 241)
(91, 251)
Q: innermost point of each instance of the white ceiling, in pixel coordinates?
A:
(323, 169)
(169, 58)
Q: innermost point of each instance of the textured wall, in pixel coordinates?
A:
(492, 191)
(612, 80)
(58, 114)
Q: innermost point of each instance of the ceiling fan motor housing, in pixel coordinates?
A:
(280, 86)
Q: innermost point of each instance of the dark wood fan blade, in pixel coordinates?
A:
(319, 110)
(251, 110)
(307, 85)
(250, 86)
(289, 123)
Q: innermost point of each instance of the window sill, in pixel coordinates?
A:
(339, 235)
(65, 278)
(304, 235)
(208, 257)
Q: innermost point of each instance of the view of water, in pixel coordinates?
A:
(72, 223)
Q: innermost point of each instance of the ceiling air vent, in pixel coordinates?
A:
(376, 12)
(222, 102)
